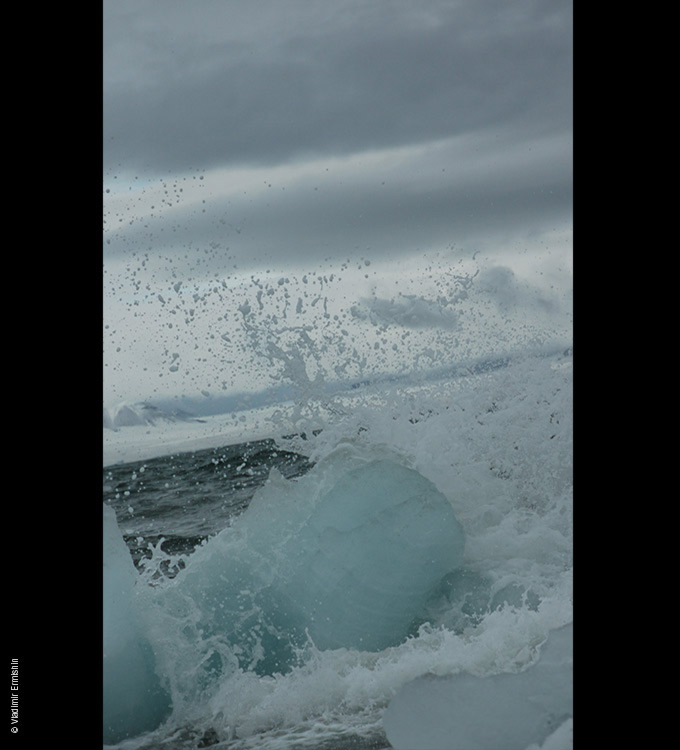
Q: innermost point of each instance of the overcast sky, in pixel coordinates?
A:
(250, 135)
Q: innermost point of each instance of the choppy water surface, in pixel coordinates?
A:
(185, 498)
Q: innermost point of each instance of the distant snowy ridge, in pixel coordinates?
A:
(194, 408)
(142, 413)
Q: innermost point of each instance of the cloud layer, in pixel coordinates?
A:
(229, 83)
(246, 143)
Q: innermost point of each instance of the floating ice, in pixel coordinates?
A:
(498, 712)
(345, 558)
(133, 698)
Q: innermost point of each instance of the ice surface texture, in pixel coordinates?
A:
(497, 712)
(371, 551)
(133, 698)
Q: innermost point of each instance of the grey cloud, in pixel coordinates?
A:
(500, 284)
(452, 194)
(197, 100)
(409, 311)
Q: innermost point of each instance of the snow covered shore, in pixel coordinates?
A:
(137, 442)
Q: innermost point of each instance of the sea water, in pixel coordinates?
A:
(496, 445)
(259, 562)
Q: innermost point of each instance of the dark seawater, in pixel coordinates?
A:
(185, 498)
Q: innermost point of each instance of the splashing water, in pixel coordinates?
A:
(463, 377)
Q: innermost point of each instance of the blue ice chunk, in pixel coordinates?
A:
(497, 712)
(134, 700)
(347, 557)
(372, 550)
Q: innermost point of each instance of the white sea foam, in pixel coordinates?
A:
(498, 445)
